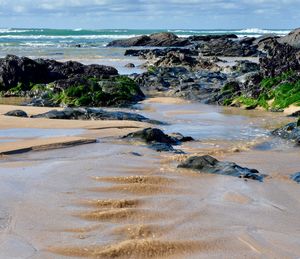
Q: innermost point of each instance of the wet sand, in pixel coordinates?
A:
(103, 201)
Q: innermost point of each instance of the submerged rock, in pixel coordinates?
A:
(17, 113)
(296, 177)
(208, 164)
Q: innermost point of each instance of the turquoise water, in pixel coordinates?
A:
(63, 44)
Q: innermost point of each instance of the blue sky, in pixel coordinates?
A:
(139, 14)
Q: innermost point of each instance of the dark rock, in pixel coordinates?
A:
(165, 147)
(23, 72)
(292, 39)
(211, 37)
(150, 135)
(163, 39)
(296, 177)
(290, 131)
(208, 164)
(155, 53)
(177, 59)
(157, 140)
(295, 114)
(130, 65)
(181, 138)
(227, 48)
(93, 114)
(17, 113)
(245, 66)
(280, 58)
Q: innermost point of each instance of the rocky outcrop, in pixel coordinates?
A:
(177, 59)
(227, 48)
(210, 165)
(280, 58)
(196, 38)
(24, 72)
(156, 139)
(292, 39)
(180, 82)
(163, 39)
(93, 114)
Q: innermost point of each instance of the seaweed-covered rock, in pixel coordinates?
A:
(208, 164)
(17, 113)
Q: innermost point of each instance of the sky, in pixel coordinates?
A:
(150, 14)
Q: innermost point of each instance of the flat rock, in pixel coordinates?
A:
(210, 165)
(93, 114)
(17, 113)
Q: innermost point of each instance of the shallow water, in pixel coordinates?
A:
(20, 133)
(103, 200)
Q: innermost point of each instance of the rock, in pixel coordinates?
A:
(295, 114)
(156, 140)
(280, 58)
(180, 82)
(290, 131)
(211, 37)
(181, 138)
(23, 72)
(155, 53)
(245, 66)
(296, 177)
(150, 135)
(177, 59)
(17, 113)
(130, 65)
(227, 48)
(292, 39)
(93, 114)
(165, 147)
(208, 164)
(163, 39)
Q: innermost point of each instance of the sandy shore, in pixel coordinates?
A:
(92, 130)
(112, 199)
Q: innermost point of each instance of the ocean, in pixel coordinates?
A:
(62, 44)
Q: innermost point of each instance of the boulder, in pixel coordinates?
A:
(211, 37)
(292, 39)
(17, 113)
(163, 39)
(130, 65)
(210, 165)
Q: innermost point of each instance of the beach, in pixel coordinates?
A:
(78, 185)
